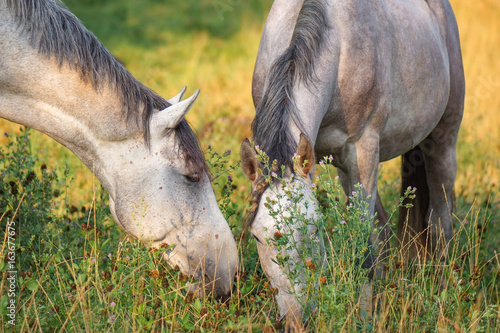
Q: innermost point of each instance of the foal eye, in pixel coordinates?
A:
(193, 178)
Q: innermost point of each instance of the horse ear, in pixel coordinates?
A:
(305, 151)
(173, 115)
(177, 98)
(249, 162)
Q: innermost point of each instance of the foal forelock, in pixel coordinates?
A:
(271, 125)
(59, 34)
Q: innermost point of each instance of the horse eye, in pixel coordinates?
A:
(193, 178)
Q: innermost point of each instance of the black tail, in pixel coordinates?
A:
(413, 222)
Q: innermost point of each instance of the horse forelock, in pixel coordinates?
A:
(57, 33)
(277, 107)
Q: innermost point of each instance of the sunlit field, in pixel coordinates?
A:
(79, 272)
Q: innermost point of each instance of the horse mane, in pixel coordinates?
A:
(58, 33)
(270, 126)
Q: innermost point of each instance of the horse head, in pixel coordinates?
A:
(163, 197)
(282, 206)
(136, 143)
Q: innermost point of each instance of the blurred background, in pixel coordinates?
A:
(211, 45)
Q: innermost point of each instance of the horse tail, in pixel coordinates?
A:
(413, 223)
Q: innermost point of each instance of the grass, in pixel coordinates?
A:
(77, 271)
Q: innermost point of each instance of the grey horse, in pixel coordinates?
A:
(363, 82)
(57, 78)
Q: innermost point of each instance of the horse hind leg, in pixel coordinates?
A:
(439, 148)
(439, 152)
(412, 224)
(431, 169)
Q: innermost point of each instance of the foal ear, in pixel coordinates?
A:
(173, 115)
(177, 98)
(305, 151)
(249, 162)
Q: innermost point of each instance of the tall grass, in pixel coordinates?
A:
(79, 272)
(76, 271)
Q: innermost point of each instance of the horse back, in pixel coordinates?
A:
(395, 70)
(389, 66)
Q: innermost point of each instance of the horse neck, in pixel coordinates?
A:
(36, 92)
(305, 88)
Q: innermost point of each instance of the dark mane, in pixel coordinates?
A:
(271, 124)
(57, 33)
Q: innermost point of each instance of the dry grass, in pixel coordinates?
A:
(479, 144)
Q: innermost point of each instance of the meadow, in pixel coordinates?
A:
(79, 272)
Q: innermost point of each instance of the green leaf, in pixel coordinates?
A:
(188, 326)
(81, 278)
(32, 285)
(3, 302)
(197, 304)
(105, 242)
